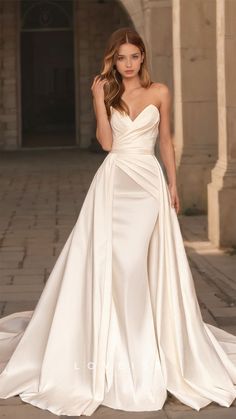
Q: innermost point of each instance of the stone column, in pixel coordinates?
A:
(158, 33)
(195, 100)
(222, 189)
(158, 37)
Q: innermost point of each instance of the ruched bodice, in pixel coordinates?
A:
(138, 135)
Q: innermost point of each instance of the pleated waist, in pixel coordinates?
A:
(132, 151)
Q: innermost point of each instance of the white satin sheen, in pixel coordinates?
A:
(118, 322)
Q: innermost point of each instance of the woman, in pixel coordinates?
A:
(118, 322)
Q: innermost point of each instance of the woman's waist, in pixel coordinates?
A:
(133, 150)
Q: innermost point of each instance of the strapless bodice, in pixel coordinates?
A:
(138, 135)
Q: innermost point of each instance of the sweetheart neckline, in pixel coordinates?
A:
(133, 120)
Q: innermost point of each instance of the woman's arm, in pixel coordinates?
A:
(103, 129)
(166, 146)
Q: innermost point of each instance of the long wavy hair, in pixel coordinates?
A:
(114, 89)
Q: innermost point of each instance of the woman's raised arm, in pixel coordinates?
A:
(103, 130)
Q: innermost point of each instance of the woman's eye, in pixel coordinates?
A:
(121, 58)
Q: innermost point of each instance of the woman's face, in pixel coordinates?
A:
(129, 60)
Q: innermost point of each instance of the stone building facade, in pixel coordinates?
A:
(191, 46)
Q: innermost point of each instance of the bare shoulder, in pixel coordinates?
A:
(161, 92)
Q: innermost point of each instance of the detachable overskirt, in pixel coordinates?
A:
(63, 356)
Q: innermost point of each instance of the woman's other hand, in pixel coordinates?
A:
(174, 197)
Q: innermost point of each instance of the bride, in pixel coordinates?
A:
(118, 322)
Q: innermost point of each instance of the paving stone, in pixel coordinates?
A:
(13, 249)
(204, 413)
(7, 289)
(11, 401)
(106, 412)
(25, 411)
(10, 256)
(20, 271)
(18, 306)
(2, 308)
(27, 279)
(6, 264)
(208, 318)
(18, 297)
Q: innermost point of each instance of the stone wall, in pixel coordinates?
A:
(9, 108)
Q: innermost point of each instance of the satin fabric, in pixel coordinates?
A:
(118, 322)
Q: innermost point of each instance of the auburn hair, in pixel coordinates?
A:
(114, 89)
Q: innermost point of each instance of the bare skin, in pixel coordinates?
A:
(137, 98)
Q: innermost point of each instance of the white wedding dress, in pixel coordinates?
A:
(118, 322)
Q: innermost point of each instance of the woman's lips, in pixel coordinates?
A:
(129, 71)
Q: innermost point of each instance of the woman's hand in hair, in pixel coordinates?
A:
(97, 87)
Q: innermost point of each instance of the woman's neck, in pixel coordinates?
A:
(131, 84)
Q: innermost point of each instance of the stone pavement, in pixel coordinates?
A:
(41, 193)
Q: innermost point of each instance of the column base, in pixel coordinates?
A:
(222, 206)
(193, 175)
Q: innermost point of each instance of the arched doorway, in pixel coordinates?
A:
(47, 73)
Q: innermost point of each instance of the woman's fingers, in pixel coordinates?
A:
(175, 201)
(97, 87)
(177, 204)
(95, 80)
(98, 81)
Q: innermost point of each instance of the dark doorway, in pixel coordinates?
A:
(47, 73)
